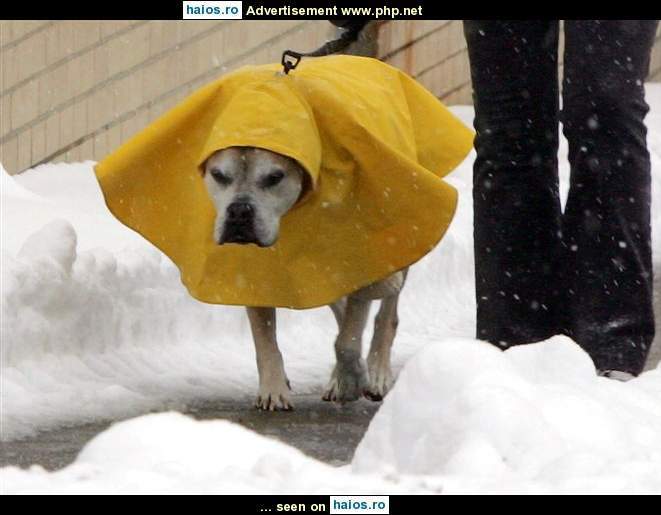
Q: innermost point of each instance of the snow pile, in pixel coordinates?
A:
(78, 325)
(173, 454)
(535, 418)
(463, 417)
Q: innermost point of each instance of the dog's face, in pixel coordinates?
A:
(251, 189)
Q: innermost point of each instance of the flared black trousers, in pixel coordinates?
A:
(585, 272)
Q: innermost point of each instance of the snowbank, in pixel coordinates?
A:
(464, 417)
(535, 418)
(170, 453)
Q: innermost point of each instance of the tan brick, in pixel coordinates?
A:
(395, 34)
(86, 150)
(128, 50)
(189, 29)
(655, 60)
(73, 155)
(100, 146)
(196, 64)
(141, 120)
(159, 77)
(24, 151)
(24, 104)
(457, 40)
(22, 28)
(85, 33)
(436, 80)
(58, 87)
(60, 158)
(163, 34)
(99, 109)
(5, 32)
(65, 40)
(52, 135)
(126, 94)
(185, 65)
(162, 107)
(66, 126)
(446, 76)
(107, 28)
(38, 142)
(318, 32)
(130, 128)
(430, 51)
(113, 138)
(52, 42)
(9, 65)
(80, 72)
(45, 94)
(459, 96)
(133, 125)
(30, 56)
(9, 155)
(79, 120)
(100, 64)
(461, 66)
(5, 114)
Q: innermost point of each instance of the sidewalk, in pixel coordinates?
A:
(320, 429)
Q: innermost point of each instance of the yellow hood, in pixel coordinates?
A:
(374, 142)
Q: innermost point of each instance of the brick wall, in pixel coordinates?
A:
(75, 90)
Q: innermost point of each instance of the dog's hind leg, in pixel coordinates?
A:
(339, 307)
(273, 383)
(349, 379)
(378, 359)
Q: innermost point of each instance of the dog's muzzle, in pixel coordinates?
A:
(239, 224)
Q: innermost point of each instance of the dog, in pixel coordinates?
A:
(252, 189)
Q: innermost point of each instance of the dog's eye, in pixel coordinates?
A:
(273, 178)
(220, 177)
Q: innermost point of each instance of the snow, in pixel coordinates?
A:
(96, 326)
(138, 456)
(535, 418)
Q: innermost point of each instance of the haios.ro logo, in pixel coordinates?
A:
(196, 10)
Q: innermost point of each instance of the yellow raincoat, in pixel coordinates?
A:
(374, 143)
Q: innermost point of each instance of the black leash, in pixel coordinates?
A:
(290, 58)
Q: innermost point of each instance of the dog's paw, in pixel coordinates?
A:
(380, 381)
(348, 382)
(274, 397)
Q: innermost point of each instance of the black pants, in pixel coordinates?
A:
(586, 272)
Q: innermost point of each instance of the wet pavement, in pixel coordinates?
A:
(323, 430)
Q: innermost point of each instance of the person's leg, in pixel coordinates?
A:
(606, 225)
(514, 71)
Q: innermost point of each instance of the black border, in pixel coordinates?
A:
(432, 9)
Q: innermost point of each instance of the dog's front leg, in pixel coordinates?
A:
(273, 383)
(378, 359)
(349, 378)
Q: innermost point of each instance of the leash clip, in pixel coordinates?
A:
(290, 60)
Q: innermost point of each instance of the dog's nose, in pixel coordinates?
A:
(240, 212)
